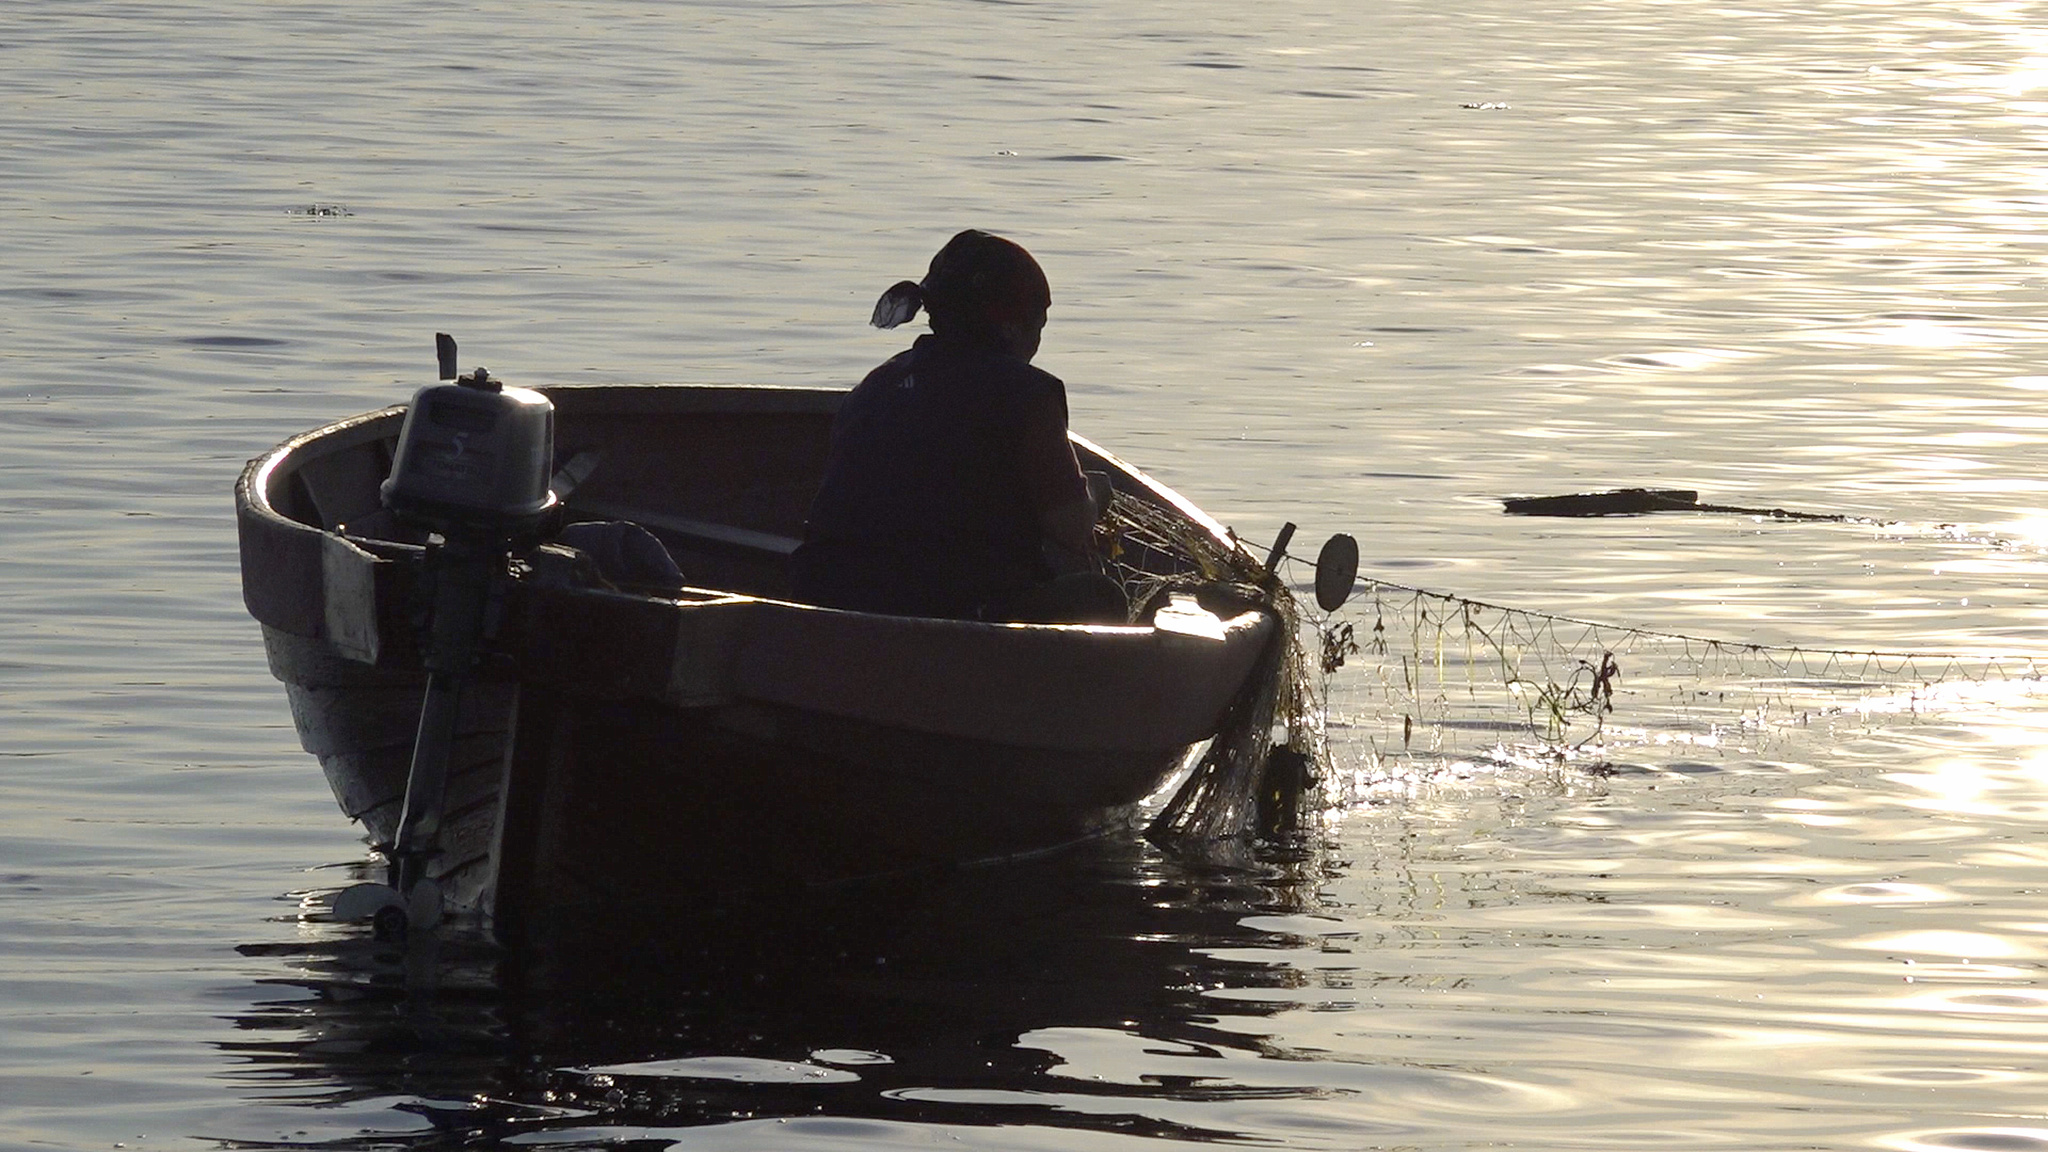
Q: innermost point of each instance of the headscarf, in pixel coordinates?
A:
(976, 282)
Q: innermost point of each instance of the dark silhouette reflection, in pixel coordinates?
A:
(899, 1002)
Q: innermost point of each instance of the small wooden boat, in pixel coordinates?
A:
(617, 745)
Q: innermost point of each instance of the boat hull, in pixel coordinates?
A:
(618, 748)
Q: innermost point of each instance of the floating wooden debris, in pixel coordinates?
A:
(1637, 501)
(1620, 502)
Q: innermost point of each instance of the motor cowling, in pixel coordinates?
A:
(474, 454)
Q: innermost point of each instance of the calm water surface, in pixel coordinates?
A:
(1366, 267)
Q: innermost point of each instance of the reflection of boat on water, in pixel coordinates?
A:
(981, 997)
(615, 742)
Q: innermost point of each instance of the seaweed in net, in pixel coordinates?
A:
(1259, 770)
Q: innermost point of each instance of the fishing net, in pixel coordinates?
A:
(1257, 772)
(1412, 680)
(1404, 682)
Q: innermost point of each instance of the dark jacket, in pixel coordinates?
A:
(942, 462)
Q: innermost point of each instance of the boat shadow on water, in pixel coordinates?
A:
(981, 997)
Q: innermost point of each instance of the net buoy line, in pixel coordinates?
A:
(1432, 676)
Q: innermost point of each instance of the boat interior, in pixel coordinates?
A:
(722, 476)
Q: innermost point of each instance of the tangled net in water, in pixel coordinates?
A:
(1428, 676)
(1402, 677)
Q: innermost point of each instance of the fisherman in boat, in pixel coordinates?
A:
(951, 489)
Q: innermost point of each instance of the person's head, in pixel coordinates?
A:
(979, 287)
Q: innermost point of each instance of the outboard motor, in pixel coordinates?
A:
(472, 467)
(474, 456)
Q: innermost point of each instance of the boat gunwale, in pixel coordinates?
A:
(253, 493)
